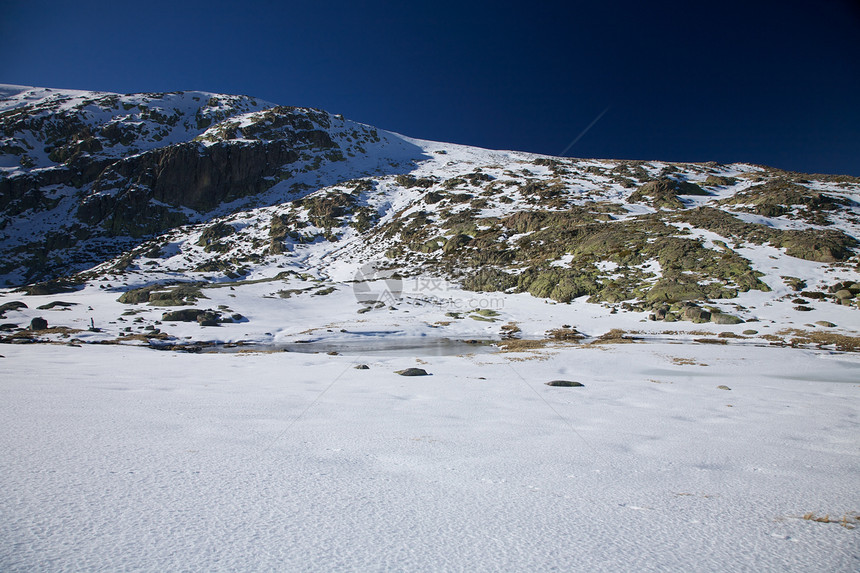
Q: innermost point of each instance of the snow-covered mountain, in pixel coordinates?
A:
(149, 189)
(86, 175)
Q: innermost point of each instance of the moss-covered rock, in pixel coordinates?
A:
(720, 318)
(163, 295)
(664, 193)
(202, 317)
(719, 181)
(490, 280)
(826, 246)
(781, 197)
(213, 233)
(456, 242)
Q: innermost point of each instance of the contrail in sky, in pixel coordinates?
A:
(583, 132)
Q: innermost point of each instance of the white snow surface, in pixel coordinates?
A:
(123, 458)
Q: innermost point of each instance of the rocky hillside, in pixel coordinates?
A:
(86, 175)
(211, 189)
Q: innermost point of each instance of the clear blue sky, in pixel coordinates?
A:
(771, 82)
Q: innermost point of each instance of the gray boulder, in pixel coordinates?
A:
(412, 372)
(207, 318)
(697, 314)
(721, 318)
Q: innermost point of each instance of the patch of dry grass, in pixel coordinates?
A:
(795, 337)
(820, 339)
(686, 361)
(847, 521)
(711, 340)
(566, 334)
(519, 345)
(615, 336)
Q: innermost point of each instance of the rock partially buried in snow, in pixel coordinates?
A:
(207, 318)
(38, 323)
(14, 305)
(184, 315)
(55, 304)
(696, 314)
(720, 318)
(362, 367)
(565, 384)
(202, 317)
(825, 323)
(412, 372)
(723, 387)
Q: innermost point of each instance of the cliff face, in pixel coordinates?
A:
(186, 175)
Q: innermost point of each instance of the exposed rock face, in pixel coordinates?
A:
(664, 193)
(189, 175)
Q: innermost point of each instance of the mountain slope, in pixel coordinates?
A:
(220, 190)
(85, 175)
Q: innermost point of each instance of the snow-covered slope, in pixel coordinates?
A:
(135, 191)
(85, 175)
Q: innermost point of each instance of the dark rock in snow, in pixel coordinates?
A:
(207, 318)
(697, 314)
(204, 317)
(38, 323)
(565, 384)
(14, 305)
(55, 304)
(412, 372)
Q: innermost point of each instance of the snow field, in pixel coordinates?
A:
(132, 459)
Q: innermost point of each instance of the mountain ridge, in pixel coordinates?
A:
(232, 189)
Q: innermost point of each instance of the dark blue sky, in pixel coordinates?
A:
(771, 82)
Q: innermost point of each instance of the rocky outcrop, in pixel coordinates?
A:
(202, 317)
(187, 175)
(664, 193)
